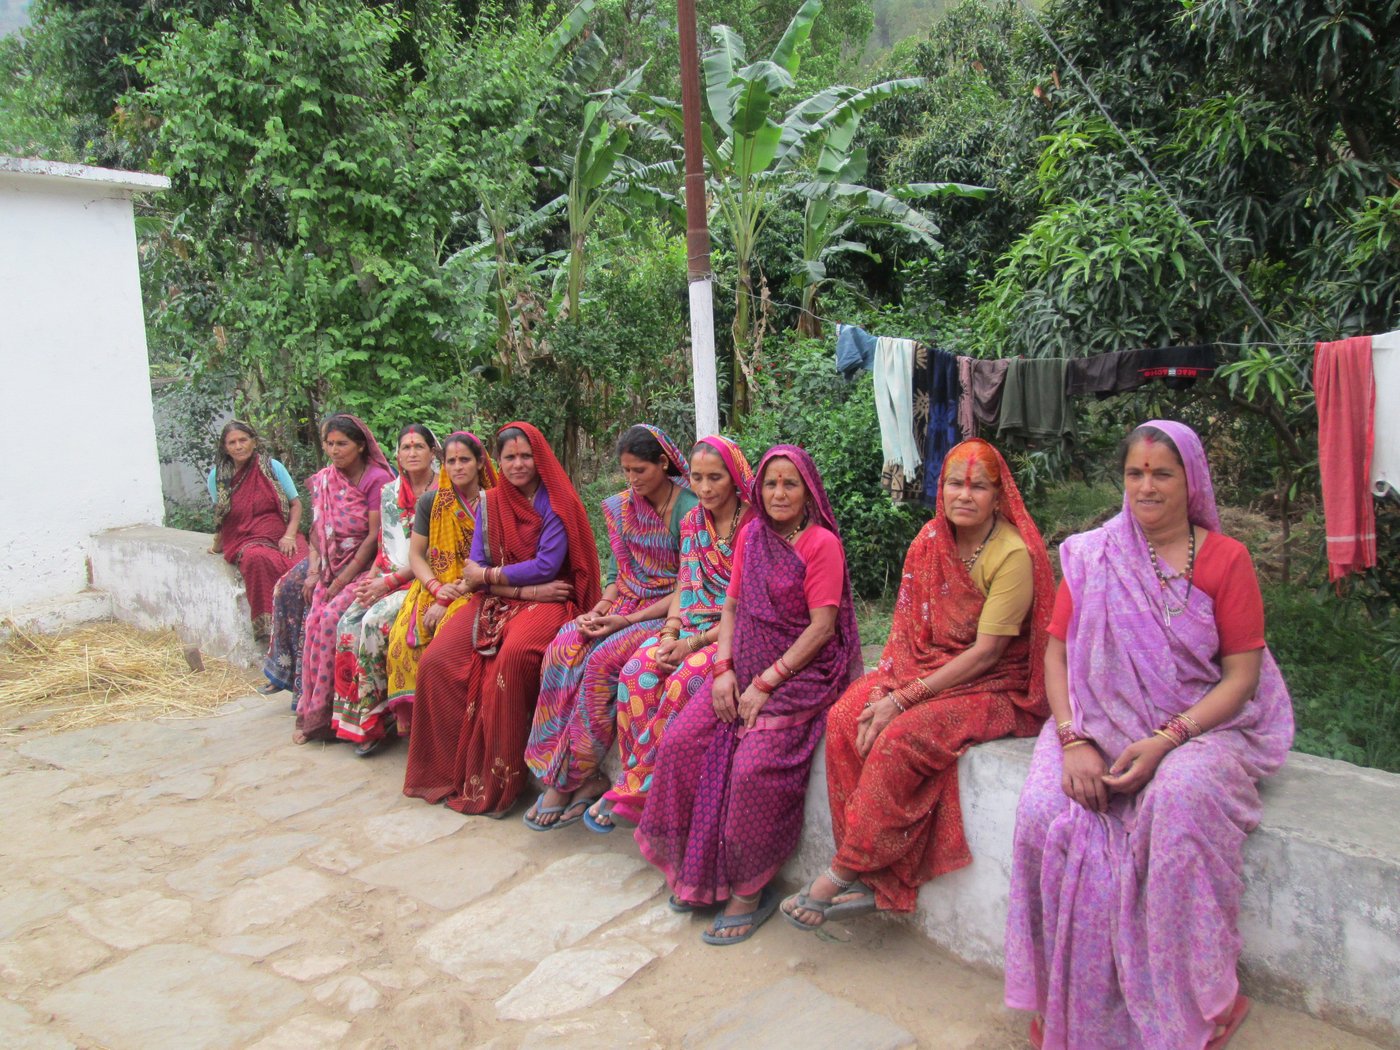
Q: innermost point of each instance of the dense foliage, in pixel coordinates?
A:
(468, 212)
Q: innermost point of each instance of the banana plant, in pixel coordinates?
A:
(755, 152)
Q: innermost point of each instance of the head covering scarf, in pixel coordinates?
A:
(734, 461)
(1200, 492)
(225, 472)
(679, 471)
(514, 526)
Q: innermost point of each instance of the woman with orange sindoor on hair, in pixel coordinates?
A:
(1168, 709)
(533, 566)
(964, 664)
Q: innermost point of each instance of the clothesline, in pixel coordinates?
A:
(1288, 345)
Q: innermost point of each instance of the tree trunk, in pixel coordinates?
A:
(738, 384)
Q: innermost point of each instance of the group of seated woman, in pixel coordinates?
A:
(467, 610)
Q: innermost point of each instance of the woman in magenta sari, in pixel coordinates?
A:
(725, 809)
(345, 500)
(257, 513)
(1167, 708)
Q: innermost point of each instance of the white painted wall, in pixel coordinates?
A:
(77, 440)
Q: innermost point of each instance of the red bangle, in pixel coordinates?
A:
(723, 666)
(762, 685)
(782, 668)
(444, 602)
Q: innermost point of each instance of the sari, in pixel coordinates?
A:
(726, 802)
(478, 680)
(574, 719)
(647, 699)
(250, 517)
(1122, 926)
(895, 814)
(362, 635)
(450, 532)
(339, 525)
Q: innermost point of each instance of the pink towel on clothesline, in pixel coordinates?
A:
(1346, 418)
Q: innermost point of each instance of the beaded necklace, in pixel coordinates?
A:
(971, 559)
(1164, 581)
(728, 542)
(791, 537)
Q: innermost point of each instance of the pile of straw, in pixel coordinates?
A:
(106, 672)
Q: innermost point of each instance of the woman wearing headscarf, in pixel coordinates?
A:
(444, 526)
(362, 636)
(725, 809)
(533, 566)
(1167, 710)
(257, 513)
(345, 502)
(574, 720)
(667, 669)
(964, 664)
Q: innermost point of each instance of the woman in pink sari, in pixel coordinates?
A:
(1167, 709)
(725, 809)
(345, 499)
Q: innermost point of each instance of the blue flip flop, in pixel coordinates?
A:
(767, 905)
(591, 822)
(563, 822)
(540, 809)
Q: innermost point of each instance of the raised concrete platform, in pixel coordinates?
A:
(1321, 909)
(159, 578)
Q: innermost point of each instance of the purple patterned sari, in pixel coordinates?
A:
(1122, 926)
(726, 803)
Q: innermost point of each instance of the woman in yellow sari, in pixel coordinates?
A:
(443, 527)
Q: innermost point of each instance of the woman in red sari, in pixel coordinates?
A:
(533, 567)
(965, 663)
(257, 513)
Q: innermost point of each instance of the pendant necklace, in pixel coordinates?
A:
(971, 559)
(1164, 581)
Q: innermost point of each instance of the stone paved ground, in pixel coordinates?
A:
(206, 884)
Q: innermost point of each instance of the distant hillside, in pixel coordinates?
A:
(14, 15)
(897, 19)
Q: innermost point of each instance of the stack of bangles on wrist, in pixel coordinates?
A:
(671, 632)
(1178, 729)
(1068, 737)
(911, 695)
(725, 666)
(784, 673)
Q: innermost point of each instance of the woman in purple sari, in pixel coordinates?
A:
(725, 809)
(1167, 709)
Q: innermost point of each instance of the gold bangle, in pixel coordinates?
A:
(1073, 743)
(1175, 743)
(1068, 723)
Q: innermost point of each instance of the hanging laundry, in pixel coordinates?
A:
(1385, 450)
(855, 350)
(1033, 400)
(1104, 375)
(988, 380)
(894, 406)
(967, 420)
(1344, 382)
(945, 391)
(1178, 366)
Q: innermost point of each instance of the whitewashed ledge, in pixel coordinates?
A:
(158, 578)
(1321, 909)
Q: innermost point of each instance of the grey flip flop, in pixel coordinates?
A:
(863, 904)
(540, 810)
(767, 905)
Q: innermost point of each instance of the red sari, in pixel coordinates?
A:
(255, 521)
(480, 675)
(896, 814)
